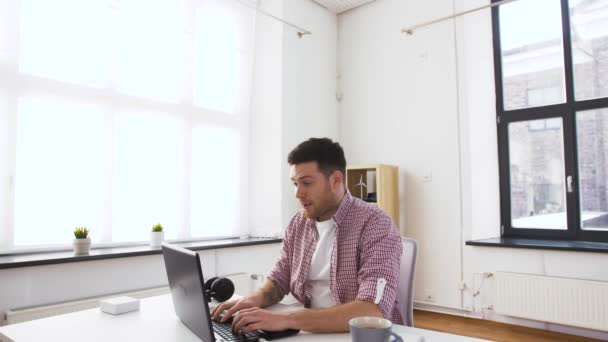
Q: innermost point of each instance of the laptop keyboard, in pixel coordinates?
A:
(225, 331)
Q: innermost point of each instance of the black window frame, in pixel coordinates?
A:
(567, 112)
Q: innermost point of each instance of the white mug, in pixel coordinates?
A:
(372, 329)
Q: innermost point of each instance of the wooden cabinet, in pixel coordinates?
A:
(377, 184)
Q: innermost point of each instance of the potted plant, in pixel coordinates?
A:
(157, 235)
(82, 242)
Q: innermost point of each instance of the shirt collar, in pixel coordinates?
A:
(343, 208)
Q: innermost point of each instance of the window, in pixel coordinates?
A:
(147, 175)
(77, 56)
(551, 70)
(59, 169)
(117, 115)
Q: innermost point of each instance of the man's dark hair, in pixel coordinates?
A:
(328, 154)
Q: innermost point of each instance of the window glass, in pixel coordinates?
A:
(215, 182)
(537, 174)
(65, 40)
(216, 61)
(151, 49)
(5, 30)
(111, 117)
(589, 32)
(592, 144)
(148, 175)
(532, 53)
(59, 182)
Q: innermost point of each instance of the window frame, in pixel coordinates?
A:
(567, 112)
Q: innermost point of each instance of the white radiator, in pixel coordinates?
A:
(574, 302)
(242, 282)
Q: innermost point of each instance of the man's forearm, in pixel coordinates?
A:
(331, 320)
(268, 294)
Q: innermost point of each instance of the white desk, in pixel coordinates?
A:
(156, 321)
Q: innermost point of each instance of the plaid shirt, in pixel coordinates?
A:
(367, 248)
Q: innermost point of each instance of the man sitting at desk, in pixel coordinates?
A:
(340, 256)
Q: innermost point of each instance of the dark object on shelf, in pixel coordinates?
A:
(371, 197)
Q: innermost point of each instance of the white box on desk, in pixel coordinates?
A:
(119, 305)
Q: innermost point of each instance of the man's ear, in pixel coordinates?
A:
(337, 178)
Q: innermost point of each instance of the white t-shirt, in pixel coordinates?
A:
(318, 275)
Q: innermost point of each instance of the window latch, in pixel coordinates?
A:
(569, 184)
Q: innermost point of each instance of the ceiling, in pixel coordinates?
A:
(339, 6)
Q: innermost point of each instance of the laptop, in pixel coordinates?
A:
(189, 300)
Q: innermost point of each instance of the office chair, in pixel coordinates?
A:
(406, 281)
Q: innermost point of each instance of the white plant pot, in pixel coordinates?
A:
(82, 246)
(156, 238)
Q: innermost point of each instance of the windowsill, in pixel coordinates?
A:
(557, 245)
(61, 257)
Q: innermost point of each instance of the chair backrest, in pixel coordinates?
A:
(406, 280)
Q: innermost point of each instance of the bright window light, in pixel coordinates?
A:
(214, 190)
(111, 117)
(151, 38)
(532, 53)
(148, 175)
(520, 16)
(216, 62)
(65, 40)
(59, 183)
(4, 32)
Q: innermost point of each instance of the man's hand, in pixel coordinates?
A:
(234, 306)
(252, 319)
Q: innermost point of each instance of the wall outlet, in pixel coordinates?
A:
(428, 295)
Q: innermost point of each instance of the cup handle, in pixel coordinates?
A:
(397, 337)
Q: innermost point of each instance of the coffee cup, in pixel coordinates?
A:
(372, 329)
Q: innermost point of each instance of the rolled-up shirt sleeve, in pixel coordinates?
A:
(280, 274)
(378, 276)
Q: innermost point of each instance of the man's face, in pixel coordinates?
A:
(314, 190)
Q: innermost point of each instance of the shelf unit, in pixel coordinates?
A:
(381, 179)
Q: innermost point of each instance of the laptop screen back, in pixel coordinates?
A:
(186, 282)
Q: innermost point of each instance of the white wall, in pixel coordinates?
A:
(309, 84)
(399, 107)
(411, 101)
(293, 100)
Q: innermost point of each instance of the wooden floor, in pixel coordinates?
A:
(486, 329)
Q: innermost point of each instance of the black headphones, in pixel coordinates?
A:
(221, 289)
